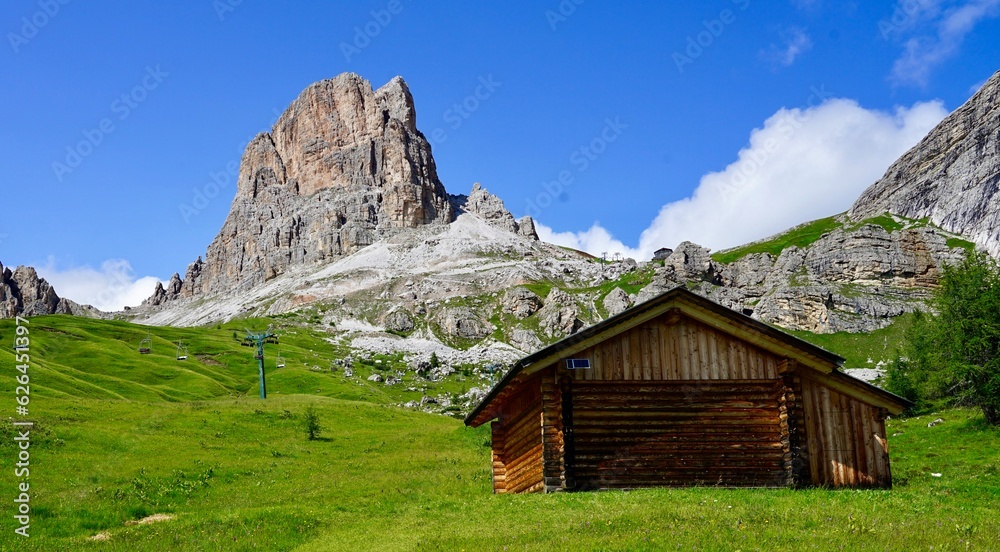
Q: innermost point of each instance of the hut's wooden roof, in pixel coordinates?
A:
(822, 362)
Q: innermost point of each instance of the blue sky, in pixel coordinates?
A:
(718, 122)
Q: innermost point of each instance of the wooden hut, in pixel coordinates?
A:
(681, 391)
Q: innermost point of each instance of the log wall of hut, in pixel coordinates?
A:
(517, 443)
(846, 439)
(689, 432)
(676, 402)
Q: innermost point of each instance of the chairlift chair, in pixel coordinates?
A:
(279, 362)
(182, 351)
(146, 345)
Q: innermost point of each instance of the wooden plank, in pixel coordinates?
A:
(812, 431)
(771, 371)
(625, 342)
(674, 371)
(856, 435)
(635, 353)
(704, 367)
(647, 342)
(721, 352)
(848, 433)
(826, 445)
(732, 359)
(658, 345)
(619, 358)
(686, 370)
(596, 373)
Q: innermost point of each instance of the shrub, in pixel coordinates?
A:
(312, 423)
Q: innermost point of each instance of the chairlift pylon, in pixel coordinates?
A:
(182, 351)
(146, 345)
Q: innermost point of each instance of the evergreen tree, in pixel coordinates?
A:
(953, 358)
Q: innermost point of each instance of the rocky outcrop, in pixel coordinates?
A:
(524, 340)
(951, 177)
(520, 302)
(399, 321)
(463, 322)
(851, 279)
(491, 209)
(560, 316)
(616, 301)
(23, 293)
(342, 167)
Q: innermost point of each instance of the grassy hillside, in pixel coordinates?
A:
(239, 474)
(97, 359)
(234, 472)
(863, 350)
(800, 236)
(806, 234)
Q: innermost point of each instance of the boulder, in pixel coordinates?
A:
(463, 322)
(616, 301)
(560, 316)
(399, 321)
(520, 302)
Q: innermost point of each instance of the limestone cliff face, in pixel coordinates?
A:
(23, 293)
(851, 279)
(951, 177)
(342, 167)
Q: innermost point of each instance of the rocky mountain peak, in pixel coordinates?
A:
(23, 293)
(342, 167)
(951, 177)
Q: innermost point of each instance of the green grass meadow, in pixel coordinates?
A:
(119, 438)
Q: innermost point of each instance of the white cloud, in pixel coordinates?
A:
(111, 288)
(803, 164)
(795, 42)
(595, 241)
(924, 52)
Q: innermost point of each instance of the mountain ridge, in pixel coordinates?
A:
(414, 268)
(24, 293)
(951, 177)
